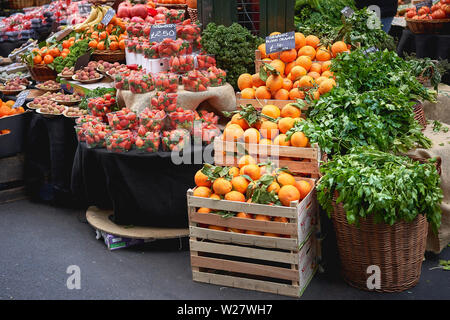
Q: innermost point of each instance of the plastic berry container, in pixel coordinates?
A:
(167, 82)
(119, 141)
(175, 140)
(205, 133)
(121, 82)
(182, 119)
(88, 118)
(98, 109)
(171, 48)
(165, 101)
(151, 51)
(205, 61)
(174, 16)
(123, 119)
(182, 64)
(79, 131)
(95, 136)
(217, 77)
(188, 31)
(148, 143)
(152, 120)
(195, 81)
(140, 82)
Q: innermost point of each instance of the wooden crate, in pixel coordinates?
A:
(258, 104)
(227, 153)
(278, 265)
(11, 178)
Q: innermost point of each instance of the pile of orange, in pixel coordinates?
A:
(271, 130)
(46, 55)
(233, 187)
(6, 109)
(302, 71)
(111, 37)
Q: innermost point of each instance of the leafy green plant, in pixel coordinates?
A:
(391, 188)
(77, 50)
(427, 69)
(234, 48)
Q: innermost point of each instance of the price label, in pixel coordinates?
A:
(58, 36)
(159, 32)
(84, 8)
(370, 50)
(347, 12)
(280, 42)
(108, 16)
(82, 61)
(427, 3)
(21, 97)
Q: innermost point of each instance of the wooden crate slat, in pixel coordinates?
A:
(245, 252)
(12, 169)
(245, 267)
(276, 211)
(245, 224)
(245, 239)
(249, 284)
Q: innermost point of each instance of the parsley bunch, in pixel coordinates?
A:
(389, 187)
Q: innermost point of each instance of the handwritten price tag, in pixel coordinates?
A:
(159, 32)
(370, 50)
(108, 16)
(21, 97)
(280, 42)
(347, 12)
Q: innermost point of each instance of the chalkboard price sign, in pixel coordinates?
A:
(427, 3)
(347, 12)
(21, 98)
(159, 32)
(280, 42)
(82, 61)
(108, 16)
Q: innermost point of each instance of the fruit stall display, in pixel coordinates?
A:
(434, 19)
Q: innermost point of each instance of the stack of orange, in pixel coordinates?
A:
(111, 37)
(303, 70)
(234, 185)
(46, 55)
(268, 132)
(6, 109)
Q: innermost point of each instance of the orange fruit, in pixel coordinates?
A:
(48, 59)
(218, 228)
(312, 41)
(54, 52)
(320, 79)
(103, 35)
(245, 81)
(280, 140)
(286, 123)
(114, 45)
(338, 47)
(262, 93)
(265, 142)
(201, 180)
(248, 93)
(296, 93)
(93, 44)
(326, 65)
(261, 217)
(278, 65)
(307, 51)
(256, 80)
(289, 67)
(269, 129)
(290, 111)
(314, 75)
(233, 133)
(274, 186)
(262, 49)
(306, 82)
(122, 44)
(234, 171)
(271, 110)
(235, 196)
(314, 95)
(244, 215)
(287, 84)
(235, 230)
(253, 171)
(281, 219)
(316, 67)
(215, 197)
(298, 71)
(274, 83)
(274, 33)
(251, 135)
(326, 86)
(240, 184)
(300, 40)
(241, 122)
(203, 192)
(328, 74)
(269, 234)
(288, 55)
(285, 179)
(255, 233)
(282, 94)
(101, 45)
(246, 160)
(221, 186)
(37, 59)
(299, 139)
(305, 62)
(287, 194)
(303, 187)
(204, 210)
(323, 54)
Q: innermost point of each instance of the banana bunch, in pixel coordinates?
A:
(95, 17)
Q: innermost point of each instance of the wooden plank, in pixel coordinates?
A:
(13, 194)
(245, 224)
(246, 252)
(245, 267)
(245, 239)
(12, 168)
(249, 284)
(276, 211)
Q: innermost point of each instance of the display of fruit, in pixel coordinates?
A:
(151, 119)
(95, 135)
(181, 64)
(195, 81)
(167, 82)
(12, 87)
(217, 77)
(17, 82)
(440, 10)
(88, 118)
(188, 31)
(182, 119)
(66, 98)
(74, 112)
(39, 101)
(151, 50)
(149, 142)
(105, 66)
(49, 85)
(169, 47)
(174, 16)
(87, 73)
(6, 109)
(205, 61)
(100, 106)
(54, 109)
(67, 72)
(165, 101)
(207, 117)
(175, 140)
(79, 131)
(123, 119)
(206, 132)
(139, 82)
(119, 141)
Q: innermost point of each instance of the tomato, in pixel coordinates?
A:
(48, 59)
(438, 14)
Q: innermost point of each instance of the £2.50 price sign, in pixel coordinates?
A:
(159, 32)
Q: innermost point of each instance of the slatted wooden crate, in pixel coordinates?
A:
(281, 265)
(300, 161)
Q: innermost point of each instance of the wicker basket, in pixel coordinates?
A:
(108, 55)
(20, 4)
(193, 14)
(398, 250)
(41, 73)
(39, 3)
(419, 114)
(428, 26)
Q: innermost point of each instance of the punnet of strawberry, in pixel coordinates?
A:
(182, 64)
(96, 134)
(100, 106)
(188, 30)
(217, 77)
(195, 81)
(175, 140)
(151, 119)
(165, 101)
(123, 119)
(167, 82)
(151, 50)
(208, 117)
(79, 131)
(119, 141)
(149, 142)
(88, 118)
(206, 132)
(140, 82)
(204, 61)
(174, 16)
(171, 48)
(182, 119)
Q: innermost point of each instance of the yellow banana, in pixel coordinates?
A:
(98, 18)
(92, 16)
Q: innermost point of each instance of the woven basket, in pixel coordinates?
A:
(419, 114)
(39, 3)
(20, 4)
(193, 14)
(428, 26)
(41, 73)
(108, 55)
(398, 250)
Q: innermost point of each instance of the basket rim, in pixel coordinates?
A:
(108, 52)
(427, 21)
